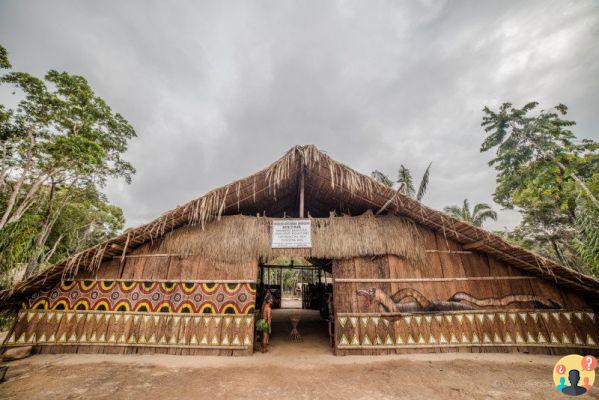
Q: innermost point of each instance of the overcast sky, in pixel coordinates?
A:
(217, 90)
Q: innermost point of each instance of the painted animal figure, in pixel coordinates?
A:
(459, 301)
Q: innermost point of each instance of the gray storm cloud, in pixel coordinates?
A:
(217, 90)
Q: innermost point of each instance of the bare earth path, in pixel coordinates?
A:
(305, 370)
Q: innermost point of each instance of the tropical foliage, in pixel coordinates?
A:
(60, 143)
(479, 214)
(551, 177)
(405, 181)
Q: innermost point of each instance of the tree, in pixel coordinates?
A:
(405, 181)
(545, 172)
(61, 140)
(479, 214)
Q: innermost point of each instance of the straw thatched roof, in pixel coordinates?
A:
(329, 187)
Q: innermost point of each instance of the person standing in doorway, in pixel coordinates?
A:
(265, 324)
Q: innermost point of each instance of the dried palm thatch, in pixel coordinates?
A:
(240, 239)
(335, 186)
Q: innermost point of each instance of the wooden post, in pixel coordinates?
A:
(301, 192)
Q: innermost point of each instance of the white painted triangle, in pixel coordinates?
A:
(486, 339)
(491, 317)
(554, 339)
(531, 339)
(173, 340)
(122, 339)
(541, 338)
(366, 341)
(453, 339)
(470, 317)
(389, 341)
(227, 321)
(439, 318)
(354, 321)
(519, 338)
(342, 321)
(565, 339)
(428, 319)
(480, 317)
(508, 338)
(194, 340)
(33, 338)
(30, 316)
(132, 339)
(63, 338)
(79, 316)
(364, 320)
(112, 339)
(442, 339)
(127, 318)
(59, 316)
(421, 340)
(50, 316)
(502, 317)
(43, 338)
(522, 316)
(152, 339)
(378, 340)
(117, 317)
(343, 341)
(142, 339)
(182, 340)
(578, 315)
(512, 316)
(556, 316)
(162, 340)
(497, 338)
(577, 339)
(535, 316)
(11, 339)
(215, 340)
(98, 317)
(69, 317)
(475, 338)
(146, 318)
(355, 341)
(399, 340)
(375, 320)
(156, 319)
(590, 315)
(408, 319)
(197, 320)
(385, 322)
(431, 339)
(225, 341)
(89, 317)
(135, 319)
(52, 338)
(568, 315)
(410, 340)
(176, 320)
(236, 341)
(459, 317)
(418, 319)
(248, 321)
(92, 338)
(448, 318)
(590, 340)
(217, 320)
(102, 338)
(248, 340)
(545, 316)
(465, 339)
(237, 322)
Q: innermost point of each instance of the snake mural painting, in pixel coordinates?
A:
(417, 302)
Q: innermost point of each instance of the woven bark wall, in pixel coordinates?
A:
(147, 304)
(551, 320)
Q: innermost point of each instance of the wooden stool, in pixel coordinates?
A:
(294, 335)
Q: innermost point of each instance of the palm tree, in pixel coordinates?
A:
(406, 183)
(480, 213)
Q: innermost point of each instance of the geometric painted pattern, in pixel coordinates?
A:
(216, 331)
(148, 296)
(578, 329)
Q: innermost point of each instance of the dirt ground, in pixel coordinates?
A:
(305, 370)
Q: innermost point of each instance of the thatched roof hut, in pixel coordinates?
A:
(429, 277)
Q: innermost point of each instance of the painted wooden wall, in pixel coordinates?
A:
(145, 305)
(363, 328)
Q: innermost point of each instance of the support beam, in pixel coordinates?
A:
(473, 245)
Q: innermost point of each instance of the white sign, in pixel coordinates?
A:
(291, 234)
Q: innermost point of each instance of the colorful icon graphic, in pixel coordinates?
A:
(574, 375)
